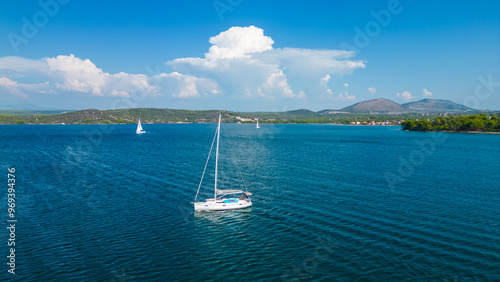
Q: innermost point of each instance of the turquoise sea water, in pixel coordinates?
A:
(101, 203)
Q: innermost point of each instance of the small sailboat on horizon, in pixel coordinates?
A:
(219, 202)
(257, 126)
(139, 128)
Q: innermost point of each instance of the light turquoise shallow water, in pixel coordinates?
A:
(101, 203)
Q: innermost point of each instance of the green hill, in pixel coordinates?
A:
(381, 106)
(380, 110)
(435, 106)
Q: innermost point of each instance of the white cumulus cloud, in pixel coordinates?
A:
(326, 79)
(240, 64)
(372, 90)
(13, 87)
(278, 82)
(346, 85)
(238, 42)
(345, 97)
(78, 75)
(406, 96)
(248, 71)
(20, 89)
(426, 93)
(69, 74)
(120, 93)
(179, 85)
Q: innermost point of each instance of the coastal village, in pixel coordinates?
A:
(387, 122)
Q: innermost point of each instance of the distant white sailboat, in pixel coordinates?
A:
(257, 126)
(139, 128)
(218, 202)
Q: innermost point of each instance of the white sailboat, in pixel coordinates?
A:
(220, 202)
(257, 126)
(139, 128)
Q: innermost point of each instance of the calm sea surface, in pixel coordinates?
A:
(101, 203)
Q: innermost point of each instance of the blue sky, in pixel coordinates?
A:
(246, 55)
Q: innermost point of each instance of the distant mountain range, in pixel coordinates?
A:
(436, 106)
(385, 106)
(377, 109)
(381, 106)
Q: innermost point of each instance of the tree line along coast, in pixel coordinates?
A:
(471, 123)
(468, 122)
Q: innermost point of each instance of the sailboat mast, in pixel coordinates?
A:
(217, 157)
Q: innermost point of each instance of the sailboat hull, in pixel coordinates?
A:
(221, 205)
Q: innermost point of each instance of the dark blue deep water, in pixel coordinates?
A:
(101, 203)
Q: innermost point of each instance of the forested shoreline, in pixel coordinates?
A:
(469, 122)
(473, 123)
